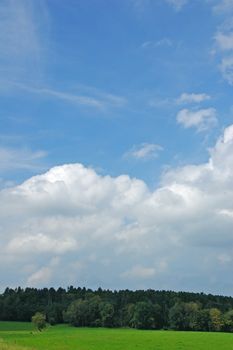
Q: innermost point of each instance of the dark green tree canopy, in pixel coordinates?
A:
(146, 309)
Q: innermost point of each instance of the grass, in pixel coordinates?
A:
(21, 336)
(16, 326)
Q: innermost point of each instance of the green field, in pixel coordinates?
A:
(20, 336)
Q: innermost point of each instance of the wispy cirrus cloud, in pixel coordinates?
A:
(22, 47)
(21, 159)
(18, 34)
(144, 151)
(157, 43)
(91, 97)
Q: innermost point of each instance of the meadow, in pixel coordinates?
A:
(22, 336)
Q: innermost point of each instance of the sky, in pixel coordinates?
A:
(116, 144)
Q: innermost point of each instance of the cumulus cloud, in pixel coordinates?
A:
(201, 119)
(72, 225)
(192, 98)
(144, 151)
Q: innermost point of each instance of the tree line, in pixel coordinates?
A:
(142, 309)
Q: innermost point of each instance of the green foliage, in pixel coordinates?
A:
(228, 321)
(107, 314)
(147, 309)
(176, 316)
(54, 313)
(90, 312)
(39, 320)
(189, 316)
(216, 320)
(143, 316)
(203, 318)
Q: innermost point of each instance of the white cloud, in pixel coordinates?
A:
(140, 5)
(223, 6)
(160, 102)
(177, 4)
(18, 29)
(40, 277)
(226, 212)
(24, 38)
(224, 41)
(21, 46)
(158, 43)
(192, 98)
(144, 151)
(68, 97)
(119, 231)
(86, 96)
(228, 134)
(184, 98)
(139, 272)
(224, 258)
(201, 119)
(226, 68)
(13, 158)
(41, 243)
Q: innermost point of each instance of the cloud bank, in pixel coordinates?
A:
(74, 226)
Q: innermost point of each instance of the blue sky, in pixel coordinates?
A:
(136, 96)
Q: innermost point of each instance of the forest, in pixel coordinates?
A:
(142, 309)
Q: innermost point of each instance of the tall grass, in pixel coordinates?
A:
(17, 336)
(5, 346)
